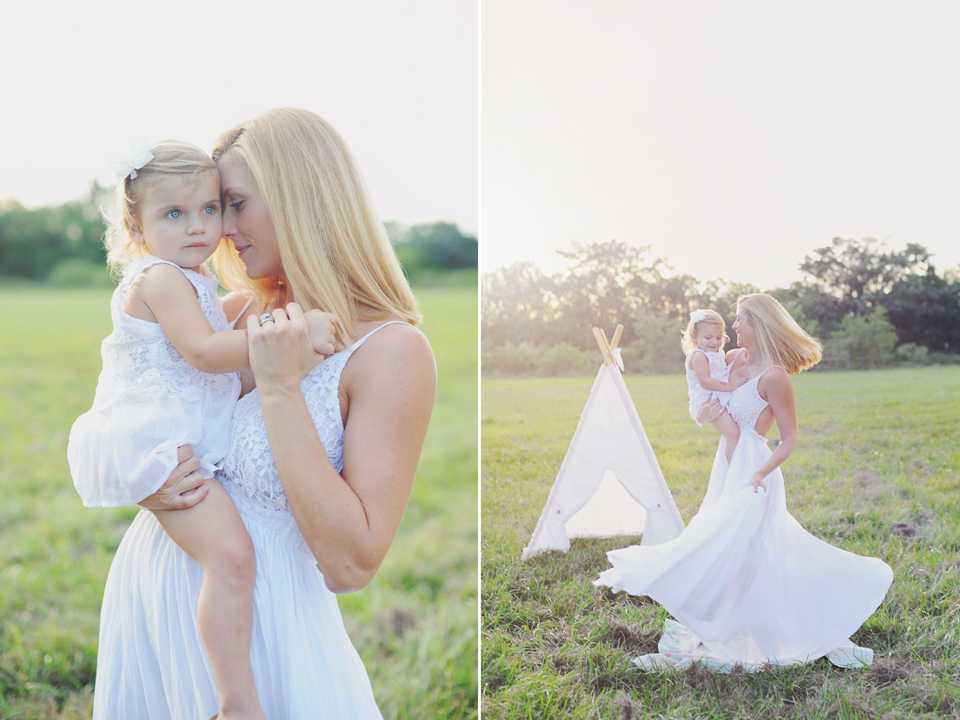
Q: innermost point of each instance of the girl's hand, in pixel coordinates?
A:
(183, 489)
(757, 481)
(281, 351)
(322, 328)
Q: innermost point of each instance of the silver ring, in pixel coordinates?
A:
(266, 317)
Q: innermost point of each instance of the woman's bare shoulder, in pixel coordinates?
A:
(732, 355)
(775, 383)
(237, 302)
(396, 363)
(396, 354)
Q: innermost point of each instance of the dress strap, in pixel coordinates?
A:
(333, 366)
(233, 323)
(350, 350)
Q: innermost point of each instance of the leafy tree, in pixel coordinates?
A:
(657, 347)
(815, 310)
(855, 273)
(925, 310)
(517, 304)
(35, 240)
(437, 246)
(868, 340)
(613, 282)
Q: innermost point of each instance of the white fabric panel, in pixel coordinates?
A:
(609, 513)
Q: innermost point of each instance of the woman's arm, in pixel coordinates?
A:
(701, 367)
(347, 521)
(183, 489)
(778, 389)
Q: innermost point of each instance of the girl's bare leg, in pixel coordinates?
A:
(213, 534)
(729, 430)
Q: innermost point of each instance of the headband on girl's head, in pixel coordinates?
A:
(127, 166)
(698, 316)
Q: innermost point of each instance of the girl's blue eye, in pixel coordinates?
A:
(174, 214)
(210, 209)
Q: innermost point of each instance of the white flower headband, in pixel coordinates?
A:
(127, 166)
(698, 316)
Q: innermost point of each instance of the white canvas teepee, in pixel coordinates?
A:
(610, 468)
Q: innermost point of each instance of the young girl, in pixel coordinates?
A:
(707, 371)
(169, 379)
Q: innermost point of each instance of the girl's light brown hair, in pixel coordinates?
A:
(333, 247)
(711, 317)
(172, 160)
(781, 340)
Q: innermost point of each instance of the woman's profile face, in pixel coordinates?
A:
(742, 327)
(246, 221)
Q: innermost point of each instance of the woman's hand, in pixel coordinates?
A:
(183, 489)
(756, 480)
(281, 351)
(709, 412)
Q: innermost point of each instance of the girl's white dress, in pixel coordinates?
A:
(719, 370)
(149, 401)
(747, 583)
(151, 663)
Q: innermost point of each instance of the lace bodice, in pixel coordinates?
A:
(139, 360)
(249, 473)
(746, 404)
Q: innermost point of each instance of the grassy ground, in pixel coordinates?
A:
(876, 449)
(415, 625)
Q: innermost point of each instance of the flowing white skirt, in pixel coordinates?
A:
(749, 584)
(151, 663)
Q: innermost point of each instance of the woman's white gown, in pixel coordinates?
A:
(747, 583)
(151, 664)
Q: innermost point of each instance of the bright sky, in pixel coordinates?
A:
(84, 82)
(733, 137)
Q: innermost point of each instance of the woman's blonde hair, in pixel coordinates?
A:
(333, 247)
(781, 340)
(710, 317)
(171, 159)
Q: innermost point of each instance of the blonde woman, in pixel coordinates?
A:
(748, 585)
(322, 453)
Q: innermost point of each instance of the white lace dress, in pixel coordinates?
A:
(151, 663)
(747, 583)
(719, 370)
(149, 401)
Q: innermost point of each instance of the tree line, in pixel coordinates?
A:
(869, 305)
(63, 243)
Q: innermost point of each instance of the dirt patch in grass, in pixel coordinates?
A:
(628, 708)
(633, 640)
(866, 478)
(887, 672)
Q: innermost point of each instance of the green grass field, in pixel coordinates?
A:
(415, 626)
(876, 448)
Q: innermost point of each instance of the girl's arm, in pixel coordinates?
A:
(172, 300)
(701, 367)
(778, 388)
(387, 391)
